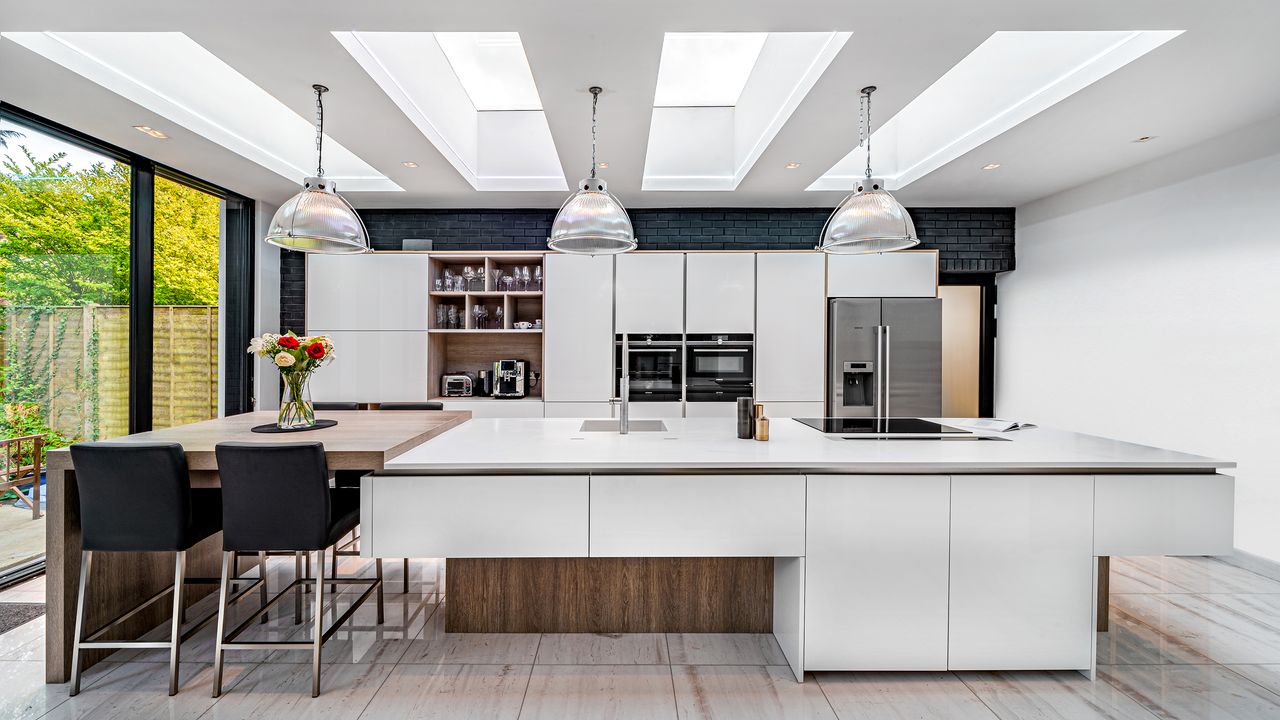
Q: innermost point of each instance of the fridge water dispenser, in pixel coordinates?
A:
(859, 384)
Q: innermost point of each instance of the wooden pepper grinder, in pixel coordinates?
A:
(762, 423)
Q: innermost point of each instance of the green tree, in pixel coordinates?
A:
(187, 235)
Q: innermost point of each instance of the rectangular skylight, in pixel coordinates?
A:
(722, 98)
(1011, 77)
(706, 69)
(473, 96)
(492, 68)
(173, 76)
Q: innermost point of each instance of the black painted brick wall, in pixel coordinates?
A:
(969, 240)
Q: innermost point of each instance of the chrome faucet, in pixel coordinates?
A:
(624, 390)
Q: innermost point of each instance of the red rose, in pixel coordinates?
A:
(315, 351)
(289, 342)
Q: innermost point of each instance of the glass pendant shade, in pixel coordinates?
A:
(592, 222)
(868, 221)
(319, 220)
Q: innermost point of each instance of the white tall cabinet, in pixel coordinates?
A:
(720, 290)
(791, 332)
(578, 347)
(375, 309)
(650, 293)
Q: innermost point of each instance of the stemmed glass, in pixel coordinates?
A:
(525, 277)
(537, 277)
(498, 315)
(469, 273)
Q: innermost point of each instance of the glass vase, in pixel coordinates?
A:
(296, 410)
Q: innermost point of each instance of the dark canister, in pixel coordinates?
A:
(746, 417)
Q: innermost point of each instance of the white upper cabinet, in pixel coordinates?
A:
(791, 328)
(895, 274)
(368, 367)
(578, 348)
(650, 293)
(720, 292)
(367, 292)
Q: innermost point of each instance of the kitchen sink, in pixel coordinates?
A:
(612, 426)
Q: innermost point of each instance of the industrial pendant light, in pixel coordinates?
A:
(592, 221)
(318, 219)
(869, 220)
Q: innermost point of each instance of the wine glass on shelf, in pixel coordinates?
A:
(469, 274)
(448, 279)
(479, 285)
(508, 282)
(499, 314)
(525, 278)
(442, 314)
(453, 317)
(537, 278)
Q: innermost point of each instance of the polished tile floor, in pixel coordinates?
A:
(1190, 638)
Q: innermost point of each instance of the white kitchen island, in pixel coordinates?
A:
(886, 554)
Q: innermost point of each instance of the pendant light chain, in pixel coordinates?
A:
(595, 100)
(866, 110)
(320, 90)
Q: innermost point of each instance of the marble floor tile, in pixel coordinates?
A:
(435, 646)
(1060, 695)
(451, 692)
(746, 692)
(200, 647)
(25, 642)
(600, 692)
(1136, 640)
(724, 649)
(603, 649)
(361, 639)
(1198, 623)
(901, 696)
(140, 691)
(24, 694)
(280, 691)
(30, 591)
(1128, 576)
(1193, 692)
(1200, 575)
(1268, 676)
(1263, 608)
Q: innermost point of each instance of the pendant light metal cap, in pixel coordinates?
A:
(319, 220)
(592, 222)
(868, 221)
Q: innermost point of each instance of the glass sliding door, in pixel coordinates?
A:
(186, 315)
(64, 313)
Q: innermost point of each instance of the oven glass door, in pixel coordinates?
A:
(655, 369)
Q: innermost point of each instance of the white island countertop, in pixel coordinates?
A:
(711, 444)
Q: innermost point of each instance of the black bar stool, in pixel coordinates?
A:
(432, 405)
(138, 498)
(335, 406)
(277, 498)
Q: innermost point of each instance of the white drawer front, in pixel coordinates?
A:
(474, 516)
(513, 408)
(697, 515)
(1163, 514)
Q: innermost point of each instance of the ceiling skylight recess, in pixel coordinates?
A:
(173, 76)
(472, 94)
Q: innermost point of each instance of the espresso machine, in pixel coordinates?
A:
(510, 379)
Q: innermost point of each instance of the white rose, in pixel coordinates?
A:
(255, 346)
(284, 359)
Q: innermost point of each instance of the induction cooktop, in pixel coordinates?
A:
(882, 427)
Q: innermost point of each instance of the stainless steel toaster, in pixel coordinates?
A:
(457, 386)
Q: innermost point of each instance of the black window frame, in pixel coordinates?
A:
(238, 268)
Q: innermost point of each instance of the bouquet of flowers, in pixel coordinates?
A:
(296, 357)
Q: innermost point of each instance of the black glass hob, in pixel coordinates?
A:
(880, 426)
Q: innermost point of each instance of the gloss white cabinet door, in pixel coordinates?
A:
(377, 291)
(1021, 572)
(697, 515)
(895, 274)
(474, 516)
(876, 572)
(720, 291)
(791, 327)
(1164, 515)
(382, 366)
(497, 408)
(578, 329)
(650, 293)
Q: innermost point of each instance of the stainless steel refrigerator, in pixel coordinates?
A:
(885, 357)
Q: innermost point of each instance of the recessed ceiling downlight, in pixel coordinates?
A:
(148, 130)
(991, 166)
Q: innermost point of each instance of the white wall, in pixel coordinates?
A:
(1146, 307)
(266, 307)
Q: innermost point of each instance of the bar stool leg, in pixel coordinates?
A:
(175, 640)
(318, 637)
(218, 652)
(262, 592)
(378, 567)
(297, 593)
(86, 559)
(334, 572)
(405, 579)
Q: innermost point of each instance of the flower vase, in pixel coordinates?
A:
(296, 410)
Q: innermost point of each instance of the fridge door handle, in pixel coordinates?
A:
(888, 387)
(878, 401)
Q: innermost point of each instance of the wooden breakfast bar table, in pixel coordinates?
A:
(362, 440)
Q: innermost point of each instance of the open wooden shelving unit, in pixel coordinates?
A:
(469, 349)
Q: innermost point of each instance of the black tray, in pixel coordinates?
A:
(273, 428)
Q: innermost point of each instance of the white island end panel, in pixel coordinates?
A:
(1164, 515)
(474, 516)
(1021, 572)
(697, 515)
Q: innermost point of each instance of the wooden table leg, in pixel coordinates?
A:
(1104, 593)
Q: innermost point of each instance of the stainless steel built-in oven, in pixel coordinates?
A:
(654, 364)
(719, 368)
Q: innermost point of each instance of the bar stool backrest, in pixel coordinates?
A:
(133, 497)
(336, 406)
(431, 405)
(274, 497)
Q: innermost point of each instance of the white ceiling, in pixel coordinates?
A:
(1217, 76)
